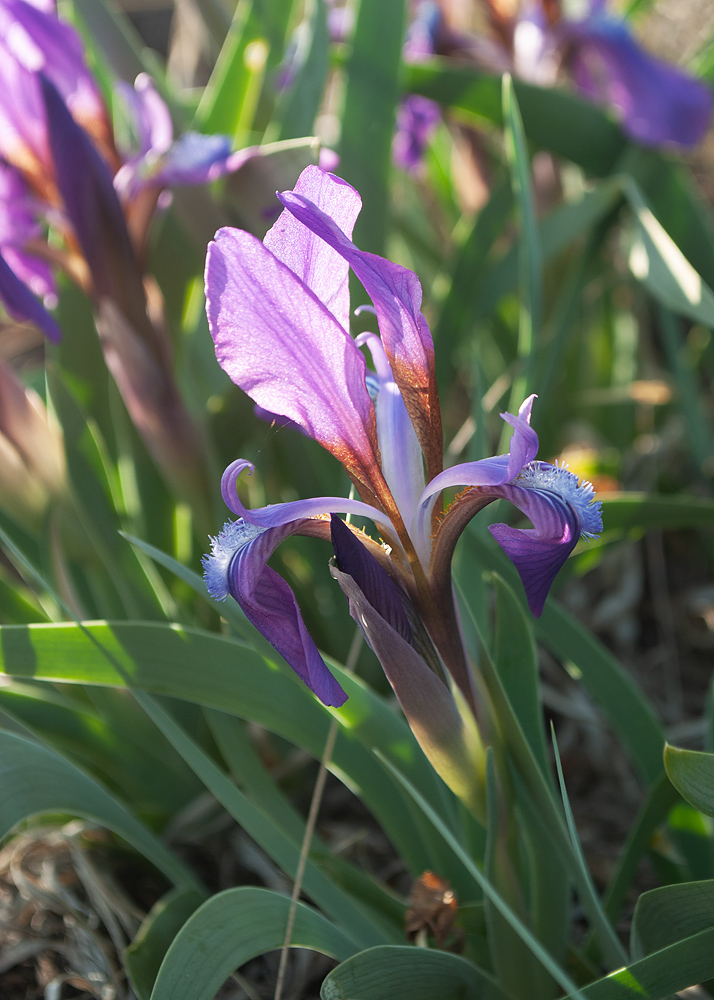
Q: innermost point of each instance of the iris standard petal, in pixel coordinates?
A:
(280, 345)
(396, 294)
(659, 104)
(237, 566)
(316, 264)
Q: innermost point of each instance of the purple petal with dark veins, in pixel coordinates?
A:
(396, 294)
(279, 343)
(322, 269)
(382, 592)
(267, 601)
(539, 552)
(488, 471)
(659, 104)
(22, 304)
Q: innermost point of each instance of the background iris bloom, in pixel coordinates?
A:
(279, 315)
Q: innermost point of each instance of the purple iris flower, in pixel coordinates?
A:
(279, 316)
(32, 41)
(417, 117)
(18, 226)
(161, 161)
(659, 104)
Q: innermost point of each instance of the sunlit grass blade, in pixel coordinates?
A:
(297, 112)
(465, 279)
(681, 965)
(371, 94)
(230, 929)
(659, 263)
(530, 262)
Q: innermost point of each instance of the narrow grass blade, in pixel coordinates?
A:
(262, 829)
(371, 93)
(530, 261)
(485, 885)
(585, 881)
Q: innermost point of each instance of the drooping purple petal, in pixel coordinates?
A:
(316, 264)
(279, 343)
(22, 304)
(277, 514)
(659, 104)
(560, 508)
(237, 566)
(538, 553)
(488, 471)
(396, 294)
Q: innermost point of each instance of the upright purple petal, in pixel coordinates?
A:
(659, 104)
(280, 344)
(318, 265)
(396, 294)
(486, 472)
(22, 304)
(32, 41)
(237, 566)
(92, 206)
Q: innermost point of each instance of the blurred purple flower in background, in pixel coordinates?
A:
(35, 45)
(658, 104)
(279, 316)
